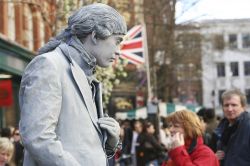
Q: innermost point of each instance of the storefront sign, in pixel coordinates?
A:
(6, 96)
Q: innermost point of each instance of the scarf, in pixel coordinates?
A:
(86, 61)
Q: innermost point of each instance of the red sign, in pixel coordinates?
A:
(6, 97)
(140, 99)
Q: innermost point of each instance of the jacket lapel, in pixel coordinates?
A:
(83, 85)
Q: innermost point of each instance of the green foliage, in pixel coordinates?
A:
(109, 77)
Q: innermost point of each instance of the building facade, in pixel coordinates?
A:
(225, 59)
(25, 26)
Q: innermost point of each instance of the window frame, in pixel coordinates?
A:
(246, 40)
(234, 68)
(247, 68)
(232, 41)
(221, 69)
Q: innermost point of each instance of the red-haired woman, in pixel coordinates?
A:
(186, 147)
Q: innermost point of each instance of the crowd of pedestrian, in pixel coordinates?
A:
(184, 138)
(179, 140)
(141, 145)
(188, 138)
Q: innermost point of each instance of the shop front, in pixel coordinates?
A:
(13, 60)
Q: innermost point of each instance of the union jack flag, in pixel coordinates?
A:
(132, 46)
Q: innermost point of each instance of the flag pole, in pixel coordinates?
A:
(145, 46)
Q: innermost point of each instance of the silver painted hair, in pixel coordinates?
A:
(101, 18)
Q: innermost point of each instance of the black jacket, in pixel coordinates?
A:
(235, 142)
(148, 148)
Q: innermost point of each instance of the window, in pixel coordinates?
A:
(220, 93)
(234, 68)
(246, 40)
(232, 41)
(221, 69)
(247, 91)
(219, 42)
(247, 68)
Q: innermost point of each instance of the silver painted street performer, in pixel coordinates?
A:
(62, 120)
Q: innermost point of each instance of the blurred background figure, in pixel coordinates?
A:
(149, 150)
(209, 122)
(19, 149)
(137, 129)
(6, 151)
(164, 132)
(210, 119)
(186, 146)
(6, 132)
(128, 156)
(123, 156)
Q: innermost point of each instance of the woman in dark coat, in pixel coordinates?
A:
(148, 149)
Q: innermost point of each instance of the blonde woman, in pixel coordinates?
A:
(6, 151)
(186, 146)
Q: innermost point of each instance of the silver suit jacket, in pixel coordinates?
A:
(58, 124)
